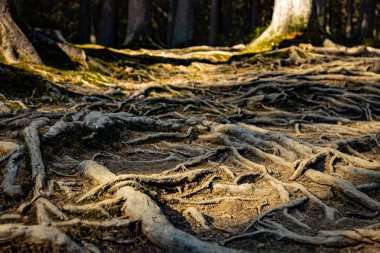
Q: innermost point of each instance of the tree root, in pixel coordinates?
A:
(169, 180)
(287, 205)
(158, 137)
(278, 230)
(8, 184)
(197, 216)
(33, 143)
(38, 234)
(346, 187)
(154, 224)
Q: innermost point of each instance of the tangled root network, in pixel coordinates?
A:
(278, 152)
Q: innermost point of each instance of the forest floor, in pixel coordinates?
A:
(273, 152)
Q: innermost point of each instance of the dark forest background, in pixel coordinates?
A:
(238, 21)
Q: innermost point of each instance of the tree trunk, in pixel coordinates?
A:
(349, 11)
(85, 21)
(14, 45)
(139, 16)
(227, 17)
(214, 22)
(107, 29)
(183, 26)
(320, 8)
(171, 20)
(255, 13)
(336, 20)
(290, 18)
(366, 20)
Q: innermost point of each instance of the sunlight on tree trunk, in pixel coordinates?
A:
(290, 18)
(14, 45)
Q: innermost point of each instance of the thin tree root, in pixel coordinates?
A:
(346, 187)
(197, 216)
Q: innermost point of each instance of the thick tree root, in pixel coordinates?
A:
(38, 234)
(154, 224)
(13, 166)
(32, 141)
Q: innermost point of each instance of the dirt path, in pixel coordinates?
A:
(277, 152)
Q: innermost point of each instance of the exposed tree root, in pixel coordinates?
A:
(9, 180)
(32, 141)
(38, 234)
(282, 144)
(154, 224)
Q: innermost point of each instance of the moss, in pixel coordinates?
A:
(296, 28)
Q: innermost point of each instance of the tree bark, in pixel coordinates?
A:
(336, 21)
(107, 29)
(183, 26)
(85, 21)
(214, 22)
(139, 16)
(171, 21)
(366, 20)
(255, 13)
(227, 17)
(14, 45)
(320, 8)
(349, 11)
(290, 19)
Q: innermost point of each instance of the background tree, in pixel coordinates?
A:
(320, 9)
(172, 11)
(139, 19)
(349, 16)
(214, 21)
(290, 18)
(183, 24)
(85, 21)
(366, 20)
(107, 29)
(254, 13)
(14, 46)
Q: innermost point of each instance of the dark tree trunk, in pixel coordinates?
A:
(214, 22)
(320, 8)
(85, 21)
(255, 13)
(139, 17)
(14, 45)
(227, 17)
(349, 11)
(107, 24)
(366, 20)
(171, 21)
(336, 21)
(183, 26)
